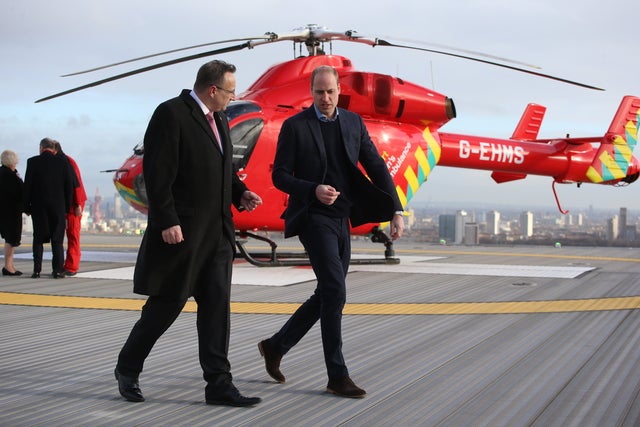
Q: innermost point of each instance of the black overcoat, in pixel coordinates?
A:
(190, 183)
(300, 165)
(11, 199)
(47, 196)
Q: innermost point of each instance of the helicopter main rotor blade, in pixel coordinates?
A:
(324, 35)
(467, 51)
(470, 58)
(311, 35)
(266, 36)
(149, 68)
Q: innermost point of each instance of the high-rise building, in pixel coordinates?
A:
(117, 207)
(622, 223)
(612, 228)
(526, 224)
(97, 209)
(461, 220)
(471, 236)
(630, 234)
(493, 222)
(447, 227)
(568, 220)
(410, 219)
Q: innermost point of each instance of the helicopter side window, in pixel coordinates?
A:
(358, 84)
(382, 97)
(244, 136)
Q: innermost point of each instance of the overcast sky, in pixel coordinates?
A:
(587, 41)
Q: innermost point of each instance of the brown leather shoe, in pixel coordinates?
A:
(271, 361)
(345, 387)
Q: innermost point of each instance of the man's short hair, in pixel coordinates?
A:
(211, 74)
(324, 69)
(48, 143)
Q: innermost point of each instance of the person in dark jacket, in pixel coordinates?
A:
(316, 164)
(11, 211)
(188, 247)
(48, 193)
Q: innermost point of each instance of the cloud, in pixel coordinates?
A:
(81, 121)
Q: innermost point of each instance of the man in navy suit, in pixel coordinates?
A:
(316, 164)
(188, 247)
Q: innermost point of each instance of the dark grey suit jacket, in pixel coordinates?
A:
(300, 165)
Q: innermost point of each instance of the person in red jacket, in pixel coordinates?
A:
(74, 217)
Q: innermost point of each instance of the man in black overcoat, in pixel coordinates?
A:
(188, 247)
(47, 196)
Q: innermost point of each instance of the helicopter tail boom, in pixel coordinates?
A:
(605, 159)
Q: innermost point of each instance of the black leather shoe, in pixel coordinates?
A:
(57, 275)
(70, 273)
(128, 387)
(6, 272)
(345, 387)
(35, 275)
(232, 397)
(271, 361)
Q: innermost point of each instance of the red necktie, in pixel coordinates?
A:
(214, 128)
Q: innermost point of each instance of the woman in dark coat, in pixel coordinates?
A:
(10, 213)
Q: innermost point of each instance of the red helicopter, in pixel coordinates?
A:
(403, 120)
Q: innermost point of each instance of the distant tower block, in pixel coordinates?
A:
(97, 211)
(117, 207)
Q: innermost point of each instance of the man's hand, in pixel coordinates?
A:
(326, 194)
(397, 226)
(172, 235)
(250, 200)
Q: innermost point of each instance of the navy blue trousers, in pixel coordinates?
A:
(327, 242)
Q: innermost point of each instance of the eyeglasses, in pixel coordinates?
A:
(230, 92)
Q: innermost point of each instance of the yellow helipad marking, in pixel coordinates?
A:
(418, 251)
(508, 307)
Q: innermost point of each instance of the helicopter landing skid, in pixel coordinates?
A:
(289, 259)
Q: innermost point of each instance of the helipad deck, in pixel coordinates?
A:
(453, 336)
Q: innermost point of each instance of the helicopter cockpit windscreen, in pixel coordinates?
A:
(244, 133)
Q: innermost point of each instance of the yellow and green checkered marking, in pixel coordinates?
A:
(417, 171)
(607, 167)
